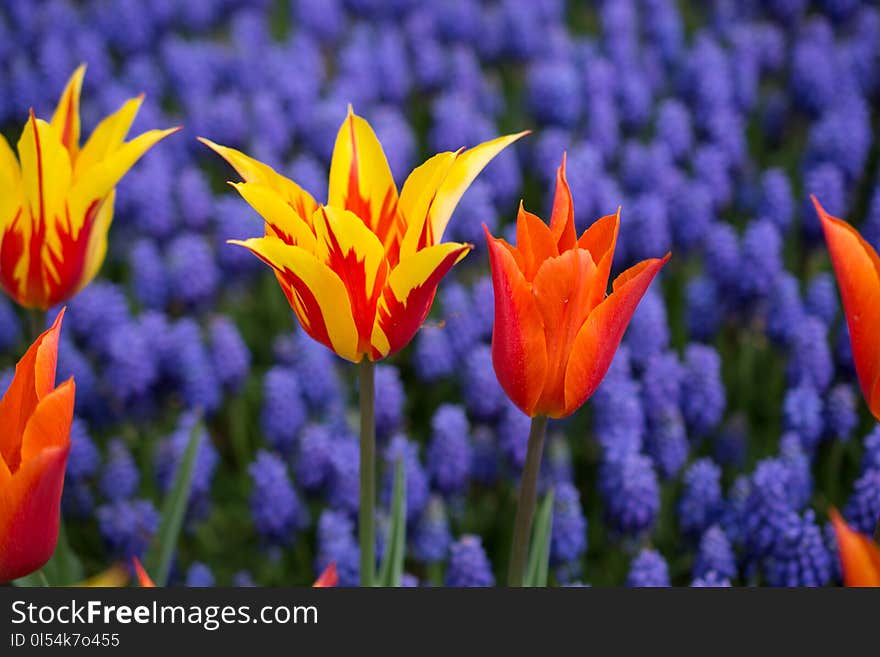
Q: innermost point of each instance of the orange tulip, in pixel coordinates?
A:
(56, 203)
(555, 330)
(361, 271)
(859, 556)
(857, 268)
(328, 579)
(35, 418)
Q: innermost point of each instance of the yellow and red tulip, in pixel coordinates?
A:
(859, 556)
(35, 418)
(857, 268)
(555, 329)
(56, 199)
(361, 271)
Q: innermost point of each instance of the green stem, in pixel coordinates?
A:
(366, 525)
(525, 508)
(36, 322)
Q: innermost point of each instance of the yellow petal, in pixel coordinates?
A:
(464, 170)
(280, 217)
(107, 137)
(45, 170)
(417, 195)
(316, 293)
(99, 179)
(360, 179)
(10, 185)
(65, 120)
(255, 171)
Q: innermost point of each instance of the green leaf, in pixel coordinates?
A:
(158, 559)
(539, 555)
(391, 570)
(63, 569)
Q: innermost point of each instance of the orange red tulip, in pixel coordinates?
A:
(361, 271)
(35, 417)
(857, 269)
(555, 330)
(144, 580)
(56, 198)
(859, 556)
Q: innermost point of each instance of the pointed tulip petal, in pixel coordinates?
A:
(329, 578)
(598, 339)
(857, 268)
(562, 215)
(107, 136)
(144, 579)
(416, 197)
(281, 219)
(316, 293)
(45, 171)
(65, 120)
(49, 426)
(409, 292)
(360, 178)
(519, 351)
(34, 378)
(534, 241)
(255, 171)
(859, 556)
(600, 240)
(464, 170)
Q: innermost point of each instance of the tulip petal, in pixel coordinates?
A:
(107, 136)
(562, 289)
(144, 580)
(416, 198)
(255, 171)
(600, 240)
(349, 248)
(534, 242)
(562, 215)
(34, 379)
(10, 185)
(461, 174)
(45, 172)
(315, 292)
(857, 268)
(599, 337)
(281, 219)
(859, 556)
(360, 178)
(49, 426)
(329, 578)
(30, 504)
(519, 351)
(409, 293)
(65, 120)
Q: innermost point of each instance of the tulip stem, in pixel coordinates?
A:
(36, 322)
(366, 528)
(525, 508)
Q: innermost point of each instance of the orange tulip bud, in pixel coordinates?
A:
(35, 417)
(56, 199)
(555, 330)
(361, 271)
(859, 556)
(857, 268)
